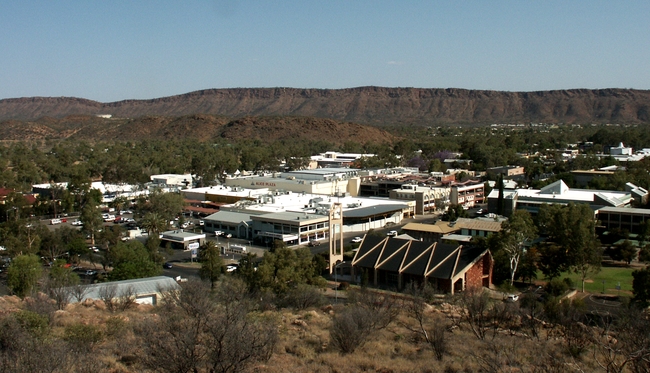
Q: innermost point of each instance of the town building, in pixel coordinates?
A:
(461, 230)
(468, 193)
(336, 159)
(329, 181)
(182, 240)
(395, 262)
(558, 192)
(172, 180)
(145, 290)
(109, 191)
(632, 220)
(297, 218)
(425, 197)
(506, 171)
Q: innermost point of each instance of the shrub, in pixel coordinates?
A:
(33, 322)
(82, 337)
(556, 287)
(116, 327)
(343, 285)
(303, 296)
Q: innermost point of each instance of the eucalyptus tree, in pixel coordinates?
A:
(515, 234)
(91, 218)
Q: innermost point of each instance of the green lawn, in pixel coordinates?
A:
(594, 283)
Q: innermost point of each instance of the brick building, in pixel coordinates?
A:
(395, 262)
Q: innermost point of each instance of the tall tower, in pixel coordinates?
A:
(336, 235)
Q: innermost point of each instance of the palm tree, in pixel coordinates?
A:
(154, 223)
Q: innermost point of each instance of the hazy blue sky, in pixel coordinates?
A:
(115, 50)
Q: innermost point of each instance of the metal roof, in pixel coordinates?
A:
(373, 210)
(441, 227)
(229, 217)
(140, 287)
(427, 259)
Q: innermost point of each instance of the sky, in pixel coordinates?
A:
(123, 49)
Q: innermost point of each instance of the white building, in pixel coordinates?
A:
(172, 180)
(297, 218)
(336, 159)
(620, 150)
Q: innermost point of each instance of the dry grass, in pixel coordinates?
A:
(304, 345)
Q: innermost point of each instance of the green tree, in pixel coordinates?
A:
(571, 240)
(515, 233)
(132, 260)
(500, 203)
(60, 282)
(286, 268)
(247, 271)
(118, 203)
(211, 263)
(641, 286)
(624, 251)
(154, 223)
(644, 254)
(91, 218)
(166, 205)
(23, 274)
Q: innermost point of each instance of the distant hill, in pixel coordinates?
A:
(376, 106)
(200, 127)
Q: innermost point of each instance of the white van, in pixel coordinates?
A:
(237, 249)
(55, 221)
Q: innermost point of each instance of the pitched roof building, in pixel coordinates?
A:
(395, 262)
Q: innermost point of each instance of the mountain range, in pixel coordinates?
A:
(377, 106)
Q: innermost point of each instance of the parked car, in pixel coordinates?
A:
(167, 265)
(314, 243)
(356, 239)
(91, 272)
(512, 298)
(55, 221)
(391, 234)
(77, 223)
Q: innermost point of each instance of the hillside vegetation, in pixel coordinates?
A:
(229, 331)
(192, 127)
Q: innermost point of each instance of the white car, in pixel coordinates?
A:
(77, 223)
(391, 234)
(356, 240)
(512, 298)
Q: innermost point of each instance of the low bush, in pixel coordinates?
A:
(82, 337)
(556, 287)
